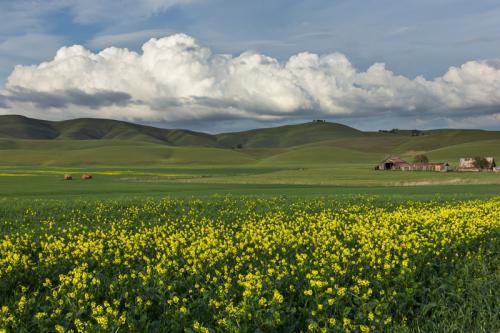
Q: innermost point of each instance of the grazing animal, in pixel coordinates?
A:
(68, 177)
(86, 176)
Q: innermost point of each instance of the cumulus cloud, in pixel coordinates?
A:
(175, 78)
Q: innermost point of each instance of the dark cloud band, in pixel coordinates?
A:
(64, 98)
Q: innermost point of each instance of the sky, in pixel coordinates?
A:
(222, 65)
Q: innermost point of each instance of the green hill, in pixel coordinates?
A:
(25, 141)
(288, 136)
(112, 153)
(19, 127)
(468, 149)
(321, 154)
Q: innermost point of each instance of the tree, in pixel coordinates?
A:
(421, 158)
(481, 162)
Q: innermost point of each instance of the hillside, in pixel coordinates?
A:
(288, 136)
(25, 141)
(19, 127)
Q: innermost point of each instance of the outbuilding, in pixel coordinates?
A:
(396, 163)
(393, 163)
(476, 164)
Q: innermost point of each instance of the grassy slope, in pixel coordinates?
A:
(111, 153)
(19, 127)
(288, 136)
(474, 148)
(333, 154)
(341, 136)
(321, 154)
(366, 150)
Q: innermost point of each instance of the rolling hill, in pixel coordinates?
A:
(26, 141)
(20, 127)
(288, 136)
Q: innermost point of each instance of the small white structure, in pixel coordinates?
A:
(471, 164)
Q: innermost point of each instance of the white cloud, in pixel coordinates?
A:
(175, 78)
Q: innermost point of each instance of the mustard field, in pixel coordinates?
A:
(233, 264)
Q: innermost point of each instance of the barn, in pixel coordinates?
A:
(393, 163)
(396, 163)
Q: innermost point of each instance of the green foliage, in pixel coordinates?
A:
(481, 162)
(421, 158)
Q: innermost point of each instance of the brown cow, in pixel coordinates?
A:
(68, 177)
(86, 176)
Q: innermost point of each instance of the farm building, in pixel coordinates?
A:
(396, 163)
(473, 163)
(442, 167)
(393, 163)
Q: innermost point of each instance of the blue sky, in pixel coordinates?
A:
(411, 38)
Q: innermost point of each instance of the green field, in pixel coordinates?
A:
(307, 159)
(304, 159)
(150, 186)
(282, 229)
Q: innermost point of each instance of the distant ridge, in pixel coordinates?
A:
(289, 135)
(16, 127)
(21, 127)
